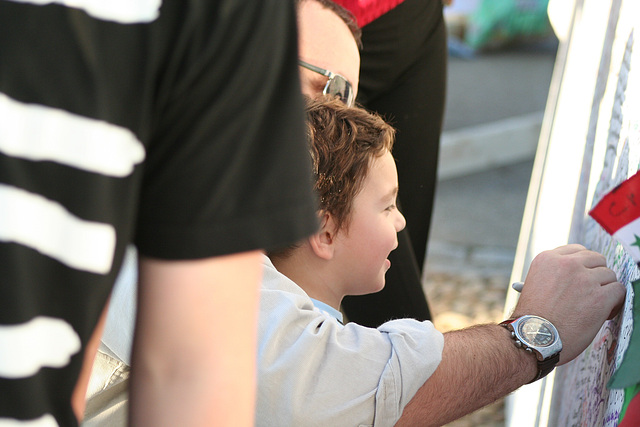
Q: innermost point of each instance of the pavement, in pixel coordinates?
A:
(497, 101)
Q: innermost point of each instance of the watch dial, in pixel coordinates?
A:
(536, 332)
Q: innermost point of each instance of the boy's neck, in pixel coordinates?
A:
(312, 275)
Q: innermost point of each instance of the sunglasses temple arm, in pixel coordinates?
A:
(318, 70)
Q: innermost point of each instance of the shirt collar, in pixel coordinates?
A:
(327, 309)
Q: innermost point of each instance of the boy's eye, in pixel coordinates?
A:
(390, 207)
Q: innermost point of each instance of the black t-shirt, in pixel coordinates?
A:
(174, 124)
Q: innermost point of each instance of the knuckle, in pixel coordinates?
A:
(543, 257)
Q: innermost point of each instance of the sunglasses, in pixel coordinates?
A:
(337, 85)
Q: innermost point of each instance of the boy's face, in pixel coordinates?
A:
(362, 249)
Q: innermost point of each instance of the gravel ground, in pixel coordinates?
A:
(460, 300)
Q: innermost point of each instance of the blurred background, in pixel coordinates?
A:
(501, 58)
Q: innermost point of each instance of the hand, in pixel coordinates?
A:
(572, 288)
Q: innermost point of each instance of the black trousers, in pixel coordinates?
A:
(403, 77)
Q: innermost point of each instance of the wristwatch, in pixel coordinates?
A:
(538, 336)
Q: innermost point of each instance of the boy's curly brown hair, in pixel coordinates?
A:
(343, 142)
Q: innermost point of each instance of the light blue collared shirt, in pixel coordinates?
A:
(328, 309)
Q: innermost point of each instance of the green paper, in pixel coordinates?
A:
(628, 373)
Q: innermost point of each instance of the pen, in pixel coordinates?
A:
(517, 286)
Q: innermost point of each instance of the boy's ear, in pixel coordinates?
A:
(322, 241)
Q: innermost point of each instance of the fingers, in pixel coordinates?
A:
(572, 260)
(593, 259)
(569, 249)
(615, 295)
(613, 292)
(590, 259)
(603, 275)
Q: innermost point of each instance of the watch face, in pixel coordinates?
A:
(536, 332)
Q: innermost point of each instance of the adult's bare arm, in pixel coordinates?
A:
(193, 360)
(570, 286)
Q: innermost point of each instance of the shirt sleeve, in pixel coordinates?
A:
(227, 168)
(314, 371)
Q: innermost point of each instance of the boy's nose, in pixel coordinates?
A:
(401, 222)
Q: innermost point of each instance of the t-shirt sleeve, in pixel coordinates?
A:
(227, 168)
(313, 371)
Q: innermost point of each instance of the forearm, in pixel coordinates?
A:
(194, 351)
(479, 365)
(569, 286)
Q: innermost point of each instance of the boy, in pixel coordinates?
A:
(300, 328)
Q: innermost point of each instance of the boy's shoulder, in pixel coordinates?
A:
(283, 298)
